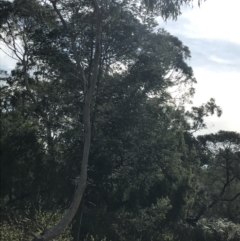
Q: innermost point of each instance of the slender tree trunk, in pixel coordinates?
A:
(76, 229)
(88, 95)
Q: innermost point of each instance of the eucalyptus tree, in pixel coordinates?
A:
(73, 44)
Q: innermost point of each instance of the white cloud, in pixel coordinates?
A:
(215, 19)
(219, 60)
(224, 87)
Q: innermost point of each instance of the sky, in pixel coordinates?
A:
(212, 34)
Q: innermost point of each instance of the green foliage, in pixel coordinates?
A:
(9, 232)
(147, 173)
(210, 230)
(24, 226)
(93, 238)
(169, 9)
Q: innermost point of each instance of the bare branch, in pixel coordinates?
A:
(8, 54)
(11, 47)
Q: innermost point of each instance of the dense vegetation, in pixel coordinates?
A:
(99, 71)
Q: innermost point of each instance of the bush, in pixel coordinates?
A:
(18, 226)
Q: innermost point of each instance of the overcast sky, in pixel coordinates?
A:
(212, 34)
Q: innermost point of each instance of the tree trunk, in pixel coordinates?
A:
(88, 95)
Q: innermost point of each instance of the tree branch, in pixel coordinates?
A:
(74, 48)
(231, 199)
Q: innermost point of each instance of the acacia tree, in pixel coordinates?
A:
(72, 17)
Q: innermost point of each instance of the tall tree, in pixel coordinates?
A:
(83, 27)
